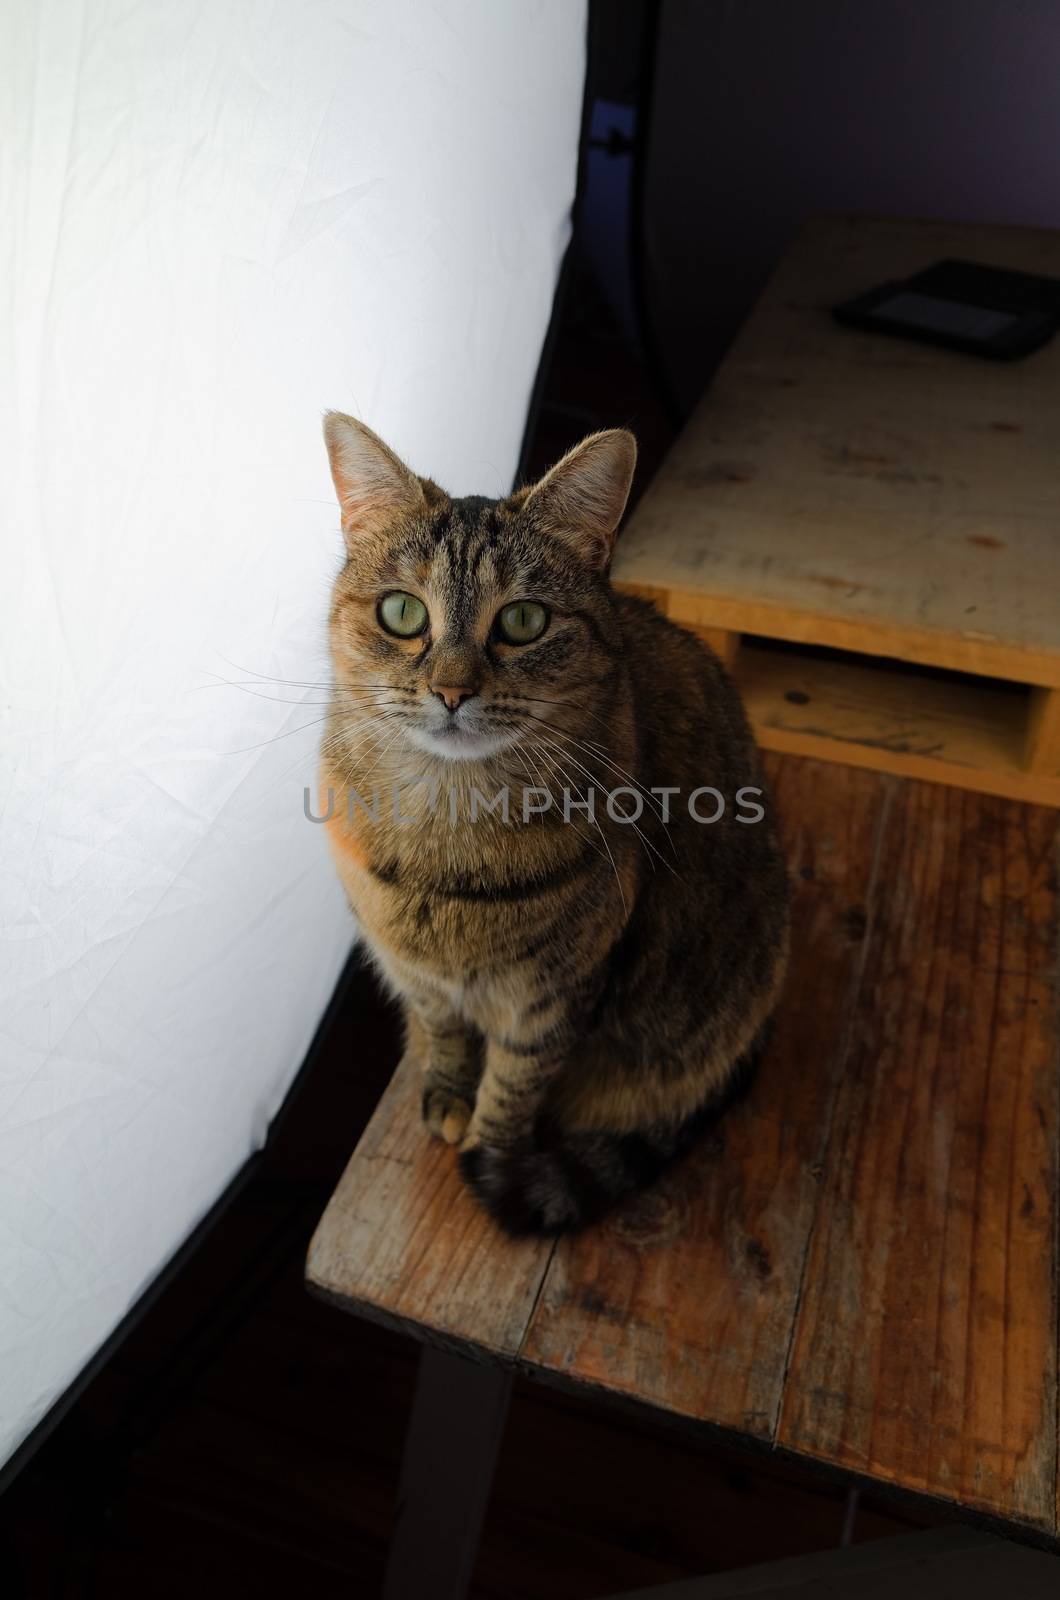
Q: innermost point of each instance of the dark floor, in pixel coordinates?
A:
(245, 1439)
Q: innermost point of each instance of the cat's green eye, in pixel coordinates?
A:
(402, 614)
(522, 622)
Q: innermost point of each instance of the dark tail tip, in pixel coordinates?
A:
(562, 1181)
(544, 1188)
(520, 1189)
(558, 1186)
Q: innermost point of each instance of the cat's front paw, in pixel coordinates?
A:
(446, 1114)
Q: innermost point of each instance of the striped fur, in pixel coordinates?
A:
(582, 995)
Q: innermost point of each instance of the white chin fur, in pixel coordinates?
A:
(459, 746)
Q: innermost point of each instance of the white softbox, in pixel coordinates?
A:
(218, 221)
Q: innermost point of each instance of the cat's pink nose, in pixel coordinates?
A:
(451, 698)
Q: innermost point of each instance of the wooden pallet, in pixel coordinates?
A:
(855, 493)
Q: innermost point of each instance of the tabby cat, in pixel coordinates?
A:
(584, 990)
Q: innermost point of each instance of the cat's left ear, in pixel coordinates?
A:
(582, 498)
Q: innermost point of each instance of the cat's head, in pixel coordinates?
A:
(468, 623)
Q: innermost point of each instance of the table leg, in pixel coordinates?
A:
(725, 645)
(1043, 732)
(450, 1449)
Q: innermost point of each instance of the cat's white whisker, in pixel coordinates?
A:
(594, 751)
(566, 778)
(629, 822)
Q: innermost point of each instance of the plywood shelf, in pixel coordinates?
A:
(961, 732)
(861, 494)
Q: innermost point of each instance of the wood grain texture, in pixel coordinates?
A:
(687, 1298)
(925, 1350)
(403, 1242)
(862, 492)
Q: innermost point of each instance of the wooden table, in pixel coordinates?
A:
(845, 491)
(860, 1268)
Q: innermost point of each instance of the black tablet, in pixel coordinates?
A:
(987, 311)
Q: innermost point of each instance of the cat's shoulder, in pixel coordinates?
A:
(645, 628)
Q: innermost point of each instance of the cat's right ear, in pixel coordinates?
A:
(373, 485)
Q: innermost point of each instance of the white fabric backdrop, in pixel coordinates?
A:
(219, 221)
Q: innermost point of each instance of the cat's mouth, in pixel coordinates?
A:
(457, 741)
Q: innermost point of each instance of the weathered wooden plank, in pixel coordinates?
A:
(925, 1349)
(867, 493)
(403, 1242)
(687, 1298)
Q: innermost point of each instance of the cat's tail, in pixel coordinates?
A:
(564, 1180)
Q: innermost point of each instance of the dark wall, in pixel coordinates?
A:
(769, 111)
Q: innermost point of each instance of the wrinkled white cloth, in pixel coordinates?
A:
(218, 222)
